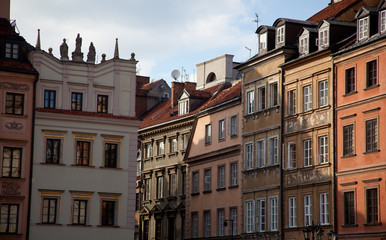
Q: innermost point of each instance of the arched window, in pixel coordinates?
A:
(211, 77)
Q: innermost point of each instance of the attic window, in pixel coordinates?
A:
(303, 44)
(262, 41)
(323, 38)
(383, 21)
(280, 35)
(183, 107)
(363, 27)
(211, 78)
(12, 50)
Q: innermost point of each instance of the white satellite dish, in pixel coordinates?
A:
(175, 74)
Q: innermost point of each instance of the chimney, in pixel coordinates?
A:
(334, 1)
(190, 85)
(5, 9)
(177, 89)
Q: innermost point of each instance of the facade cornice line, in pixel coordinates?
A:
(361, 170)
(360, 102)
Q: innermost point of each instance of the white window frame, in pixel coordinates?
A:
(234, 173)
(207, 223)
(221, 129)
(307, 98)
(291, 98)
(260, 149)
(249, 155)
(303, 44)
(221, 219)
(250, 102)
(208, 179)
(291, 155)
(307, 210)
(323, 149)
(323, 93)
(307, 153)
(262, 98)
(195, 182)
(274, 94)
(262, 41)
(221, 176)
(160, 187)
(274, 219)
(292, 212)
(383, 21)
(324, 214)
(280, 34)
(273, 146)
(323, 38)
(233, 211)
(208, 133)
(363, 28)
(261, 215)
(250, 216)
(233, 123)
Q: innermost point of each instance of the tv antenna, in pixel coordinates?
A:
(175, 74)
(256, 20)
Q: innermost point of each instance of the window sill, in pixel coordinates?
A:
(159, 156)
(49, 224)
(15, 115)
(111, 168)
(221, 189)
(206, 191)
(289, 116)
(349, 225)
(372, 224)
(322, 165)
(83, 166)
(234, 136)
(172, 154)
(79, 225)
(371, 87)
(147, 159)
(104, 226)
(146, 201)
(348, 156)
(221, 140)
(372, 151)
(349, 94)
(322, 108)
(195, 194)
(171, 198)
(208, 143)
(233, 186)
(53, 164)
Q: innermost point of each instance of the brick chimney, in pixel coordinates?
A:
(190, 85)
(177, 89)
(5, 9)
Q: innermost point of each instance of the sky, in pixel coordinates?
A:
(164, 34)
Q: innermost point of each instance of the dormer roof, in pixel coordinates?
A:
(308, 29)
(281, 21)
(382, 5)
(365, 11)
(337, 23)
(264, 28)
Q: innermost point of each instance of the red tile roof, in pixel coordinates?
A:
(87, 114)
(149, 86)
(5, 27)
(332, 10)
(224, 96)
(16, 65)
(198, 93)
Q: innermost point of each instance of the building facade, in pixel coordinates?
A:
(84, 163)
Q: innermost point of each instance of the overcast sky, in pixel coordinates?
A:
(164, 34)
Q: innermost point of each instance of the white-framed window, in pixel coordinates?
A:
(208, 134)
(273, 145)
(291, 102)
(323, 38)
(363, 28)
(12, 50)
(262, 98)
(234, 125)
(146, 189)
(207, 180)
(323, 149)
(233, 211)
(324, 209)
(249, 153)
(262, 41)
(160, 147)
(280, 31)
(250, 102)
(183, 107)
(383, 21)
(207, 223)
(160, 187)
(323, 93)
(173, 145)
(274, 99)
(221, 176)
(307, 98)
(195, 183)
(194, 224)
(185, 139)
(220, 221)
(274, 219)
(260, 145)
(307, 210)
(261, 216)
(307, 152)
(292, 212)
(291, 155)
(303, 45)
(250, 216)
(221, 129)
(234, 180)
(172, 184)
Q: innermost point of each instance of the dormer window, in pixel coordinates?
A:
(323, 38)
(280, 35)
(303, 45)
(263, 41)
(363, 28)
(183, 107)
(383, 21)
(12, 50)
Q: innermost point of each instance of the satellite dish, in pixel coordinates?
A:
(175, 74)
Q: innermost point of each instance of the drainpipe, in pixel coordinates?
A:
(335, 156)
(282, 157)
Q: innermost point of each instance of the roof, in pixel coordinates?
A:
(12, 65)
(332, 10)
(198, 93)
(6, 28)
(149, 86)
(224, 96)
(87, 114)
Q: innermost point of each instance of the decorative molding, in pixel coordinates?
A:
(348, 116)
(13, 86)
(14, 125)
(348, 183)
(372, 110)
(372, 180)
(10, 188)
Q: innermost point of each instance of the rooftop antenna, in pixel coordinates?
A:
(250, 50)
(175, 74)
(256, 20)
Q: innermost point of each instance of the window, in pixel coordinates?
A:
(208, 134)
(148, 149)
(49, 99)
(348, 140)
(350, 80)
(79, 212)
(250, 216)
(145, 229)
(160, 148)
(234, 125)
(371, 68)
(207, 223)
(323, 93)
(82, 153)
(108, 213)
(183, 191)
(9, 218)
(280, 35)
(273, 150)
(158, 228)
(221, 177)
(234, 174)
(172, 185)
(363, 28)
(49, 210)
(260, 153)
(274, 94)
(185, 138)
(349, 208)
(371, 135)
(250, 102)
(323, 149)
(171, 227)
(111, 155)
(262, 104)
(221, 220)
(173, 145)
(102, 103)
(274, 214)
(207, 180)
(160, 187)
(146, 189)
(303, 45)
(12, 50)
(307, 210)
(383, 21)
(262, 41)
(233, 212)
(183, 107)
(11, 167)
(76, 101)
(291, 155)
(291, 102)
(194, 224)
(221, 129)
(53, 150)
(292, 212)
(249, 152)
(323, 38)
(261, 215)
(307, 98)
(324, 209)
(307, 147)
(14, 104)
(372, 206)
(195, 184)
